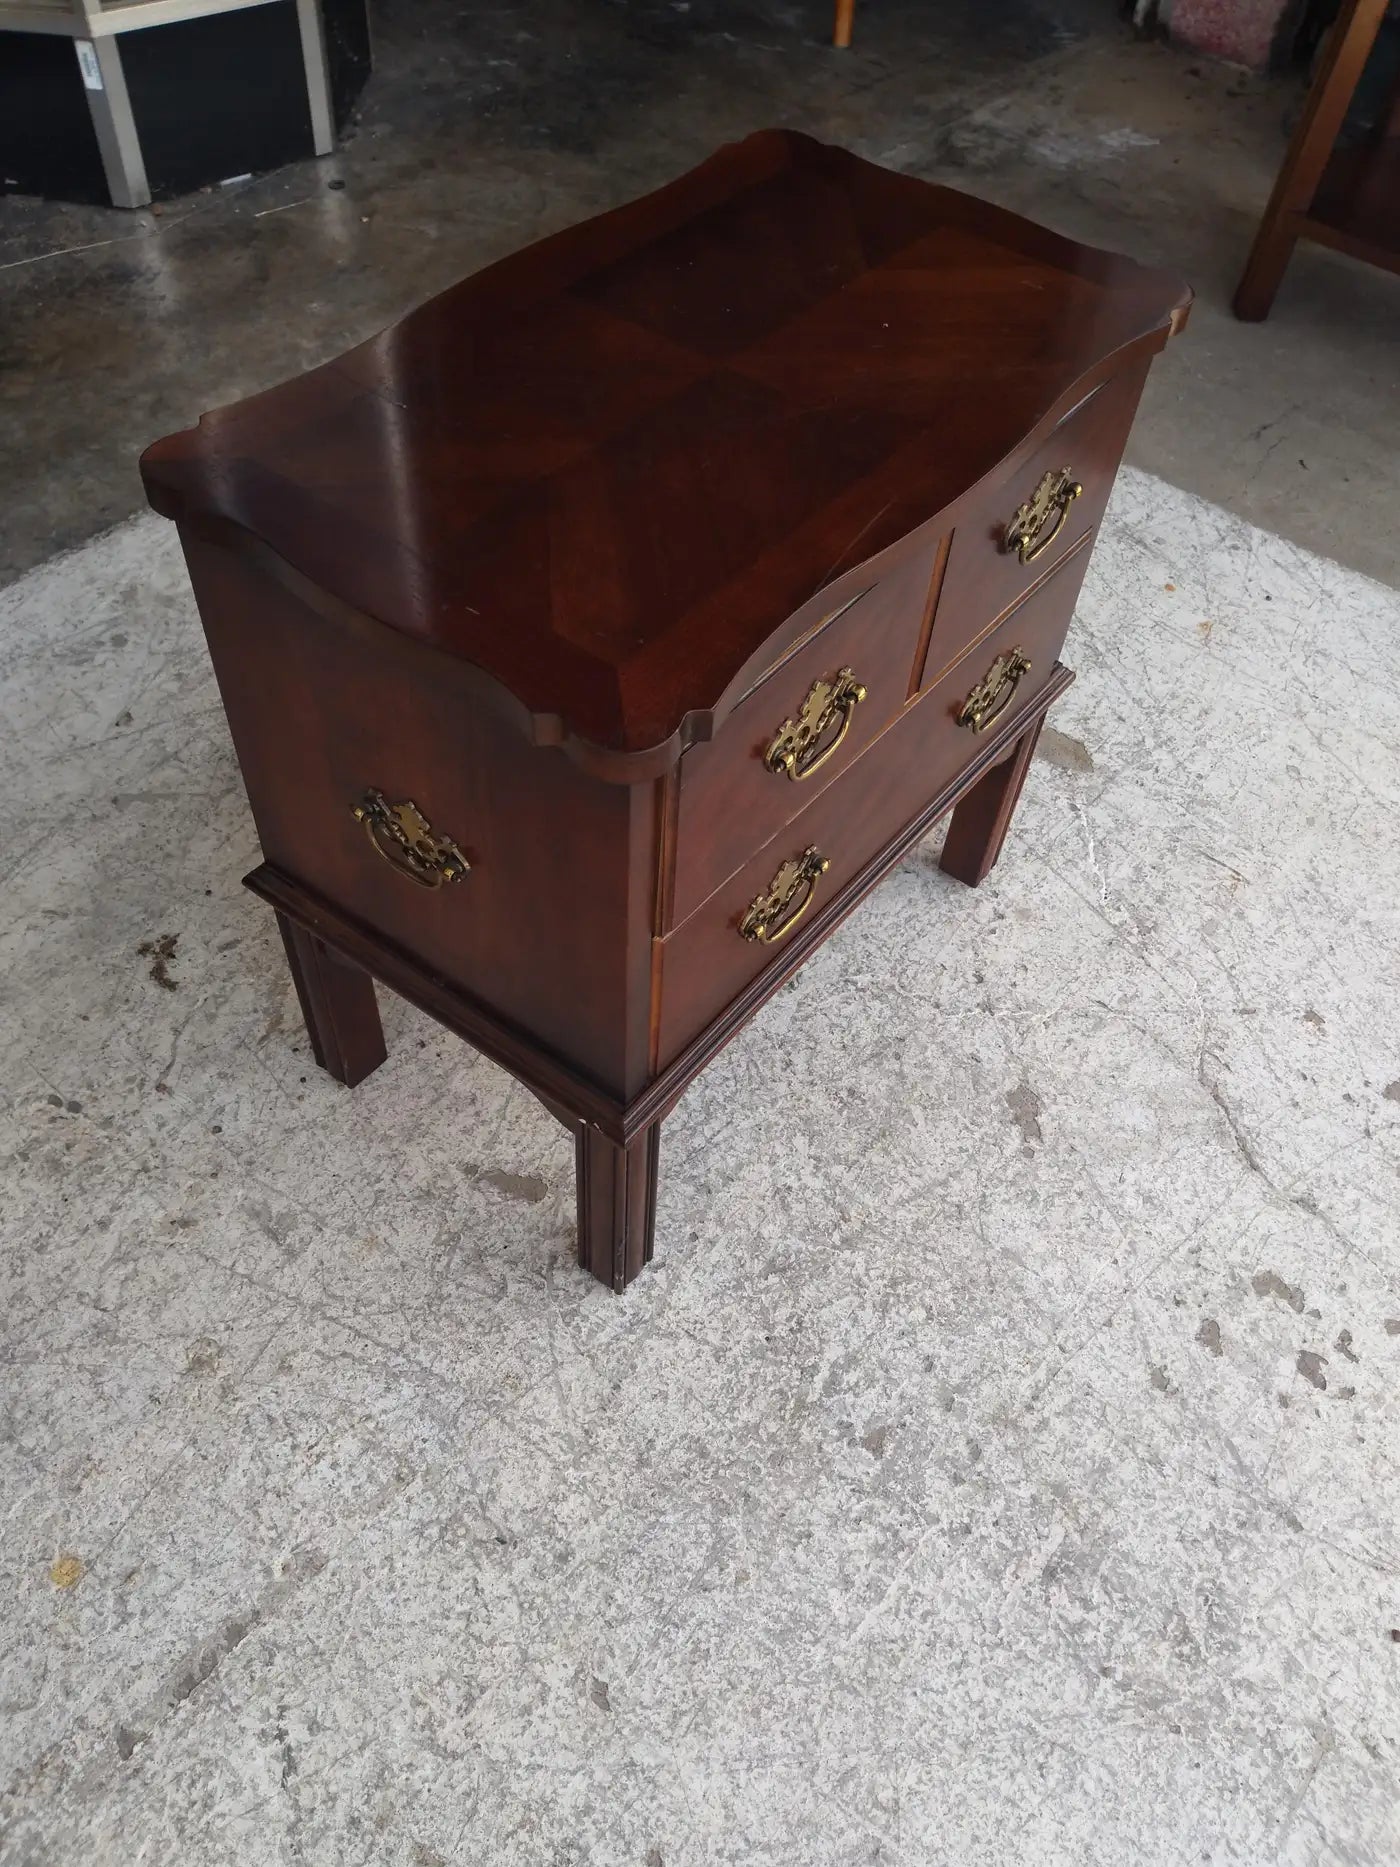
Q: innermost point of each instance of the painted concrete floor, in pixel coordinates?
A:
(487, 125)
(997, 1466)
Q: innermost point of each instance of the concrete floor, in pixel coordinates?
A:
(488, 125)
(998, 1465)
(996, 1468)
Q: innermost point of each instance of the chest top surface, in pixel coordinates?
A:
(606, 469)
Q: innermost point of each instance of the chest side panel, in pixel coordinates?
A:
(549, 925)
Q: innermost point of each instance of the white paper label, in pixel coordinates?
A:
(88, 65)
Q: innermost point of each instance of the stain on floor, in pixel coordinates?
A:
(1310, 1366)
(1064, 751)
(160, 953)
(1270, 1284)
(1026, 1108)
(525, 1186)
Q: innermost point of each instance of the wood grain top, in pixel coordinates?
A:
(606, 471)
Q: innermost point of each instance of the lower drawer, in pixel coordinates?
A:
(740, 931)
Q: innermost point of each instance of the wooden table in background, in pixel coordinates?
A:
(1346, 198)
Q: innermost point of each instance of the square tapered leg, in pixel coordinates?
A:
(616, 1202)
(337, 1001)
(978, 826)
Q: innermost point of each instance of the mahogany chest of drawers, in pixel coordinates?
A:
(596, 637)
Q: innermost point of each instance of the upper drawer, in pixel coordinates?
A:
(801, 726)
(1022, 525)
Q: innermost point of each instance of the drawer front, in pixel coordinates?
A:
(1010, 539)
(709, 960)
(798, 730)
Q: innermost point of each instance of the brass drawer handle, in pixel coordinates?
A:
(788, 897)
(406, 840)
(1026, 535)
(798, 749)
(992, 694)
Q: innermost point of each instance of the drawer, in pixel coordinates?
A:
(707, 961)
(1007, 540)
(804, 724)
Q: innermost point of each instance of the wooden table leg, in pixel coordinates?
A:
(1309, 149)
(337, 1001)
(845, 19)
(977, 828)
(616, 1202)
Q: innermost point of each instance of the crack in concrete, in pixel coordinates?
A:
(204, 1660)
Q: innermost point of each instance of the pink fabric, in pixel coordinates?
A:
(1240, 30)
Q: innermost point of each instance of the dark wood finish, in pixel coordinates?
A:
(1357, 205)
(605, 470)
(566, 1093)
(553, 559)
(729, 799)
(670, 1083)
(977, 828)
(705, 962)
(337, 1002)
(570, 1097)
(1349, 198)
(1037, 628)
(931, 605)
(550, 928)
(616, 1202)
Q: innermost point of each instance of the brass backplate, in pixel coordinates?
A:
(1026, 535)
(993, 692)
(802, 744)
(786, 899)
(407, 841)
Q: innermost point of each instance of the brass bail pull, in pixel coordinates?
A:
(992, 694)
(804, 744)
(789, 895)
(1030, 533)
(407, 841)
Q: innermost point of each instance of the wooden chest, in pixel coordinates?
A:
(596, 637)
